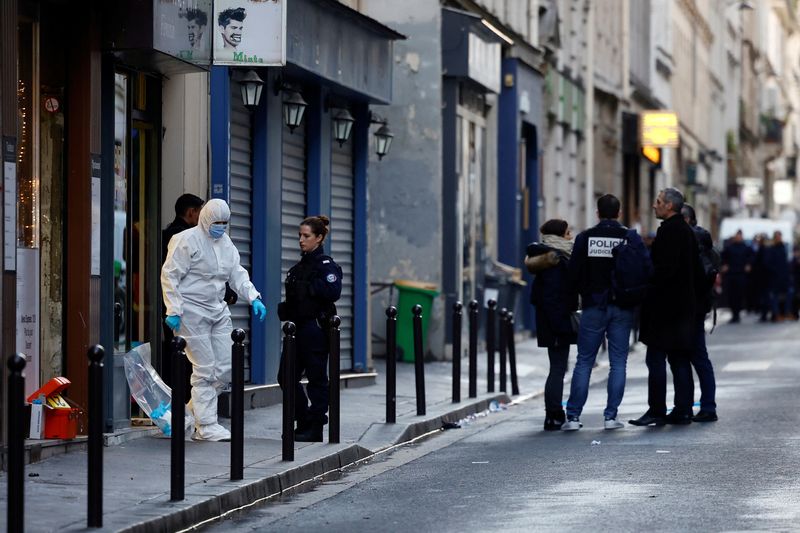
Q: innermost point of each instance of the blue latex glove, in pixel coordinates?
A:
(259, 310)
(174, 322)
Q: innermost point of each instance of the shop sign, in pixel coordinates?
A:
(51, 104)
(250, 32)
(9, 203)
(750, 190)
(182, 29)
(484, 62)
(783, 192)
(27, 333)
(659, 129)
(652, 154)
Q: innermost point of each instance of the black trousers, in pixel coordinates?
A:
(554, 386)
(682, 380)
(311, 359)
(735, 287)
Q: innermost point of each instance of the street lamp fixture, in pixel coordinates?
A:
(342, 125)
(252, 86)
(294, 107)
(383, 136)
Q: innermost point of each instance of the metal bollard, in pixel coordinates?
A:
(502, 331)
(457, 316)
(391, 365)
(419, 363)
(237, 405)
(490, 331)
(512, 354)
(333, 378)
(16, 444)
(178, 450)
(289, 380)
(473, 349)
(95, 481)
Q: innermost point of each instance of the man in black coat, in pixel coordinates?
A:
(669, 312)
(737, 261)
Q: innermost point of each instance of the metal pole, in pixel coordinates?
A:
(457, 318)
(503, 343)
(419, 362)
(16, 444)
(391, 364)
(512, 354)
(473, 349)
(333, 378)
(95, 482)
(177, 462)
(237, 405)
(290, 382)
(490, 331)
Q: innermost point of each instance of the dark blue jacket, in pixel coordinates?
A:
(590, 268)
(737, 256)
(312, 287)
(776, 265)
(552, 296)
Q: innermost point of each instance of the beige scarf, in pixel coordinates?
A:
(558, 243)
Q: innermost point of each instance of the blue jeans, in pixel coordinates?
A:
(615, 324)
(705, 370)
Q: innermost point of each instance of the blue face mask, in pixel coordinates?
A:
(217, 230)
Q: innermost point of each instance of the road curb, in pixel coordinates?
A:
(200, 506)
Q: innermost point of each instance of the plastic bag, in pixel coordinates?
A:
(150, 391)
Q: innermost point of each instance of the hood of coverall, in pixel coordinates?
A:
(214, 210)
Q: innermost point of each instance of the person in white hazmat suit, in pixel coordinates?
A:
(200, 260)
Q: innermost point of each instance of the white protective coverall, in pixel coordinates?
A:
(193, 283)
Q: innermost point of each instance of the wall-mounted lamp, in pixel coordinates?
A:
(383, 136)
(252, 85)
(342, 125)
(294, 107)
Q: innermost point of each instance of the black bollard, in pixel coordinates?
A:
(391, 364)
(419, 362)
(502, 331)
(333, 377)
(473, 349)
(237, 404)
(16, 444)
(512, 354)
(95, 482)
(491, 327)
(177, 461)
(289, 380)
(457, 316)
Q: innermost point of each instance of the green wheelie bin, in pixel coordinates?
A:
(409, 294)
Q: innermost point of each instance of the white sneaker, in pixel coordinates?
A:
(212, 432)
(572, 424)
(613, 423)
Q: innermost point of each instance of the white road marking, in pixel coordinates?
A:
(746, 366)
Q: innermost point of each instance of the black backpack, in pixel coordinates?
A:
(633, 269)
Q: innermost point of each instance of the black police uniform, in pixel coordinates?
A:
(312, 287)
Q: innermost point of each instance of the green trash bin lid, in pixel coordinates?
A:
(423, 287)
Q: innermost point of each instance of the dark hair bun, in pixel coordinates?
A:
(325, 220)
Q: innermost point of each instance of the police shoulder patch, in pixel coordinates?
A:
(331, 278)
(325, 262)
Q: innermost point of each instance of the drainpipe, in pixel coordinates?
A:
(589, 107)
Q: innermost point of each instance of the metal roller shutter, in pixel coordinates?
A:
(342, 240)
(293, 196)
(241, 204)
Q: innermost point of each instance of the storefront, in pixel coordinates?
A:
(82, 233)
(518, 159)
(303, 150)
(471, 62)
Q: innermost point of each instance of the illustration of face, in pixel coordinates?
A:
(232, 33)
(195, 33)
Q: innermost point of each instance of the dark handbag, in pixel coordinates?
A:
(575, 321)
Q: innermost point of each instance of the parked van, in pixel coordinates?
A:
(753, 226)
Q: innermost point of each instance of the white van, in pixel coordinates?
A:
(753, 226)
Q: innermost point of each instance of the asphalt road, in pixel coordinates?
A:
(503, 473)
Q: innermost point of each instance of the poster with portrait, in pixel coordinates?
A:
(183, 28)
(250, 32)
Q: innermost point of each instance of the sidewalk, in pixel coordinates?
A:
(137, 473)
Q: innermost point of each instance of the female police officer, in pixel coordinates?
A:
(312, 287)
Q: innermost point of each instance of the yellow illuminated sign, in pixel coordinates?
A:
(659, 129)
(652, 154)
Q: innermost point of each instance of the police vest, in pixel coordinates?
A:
(301, 304)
